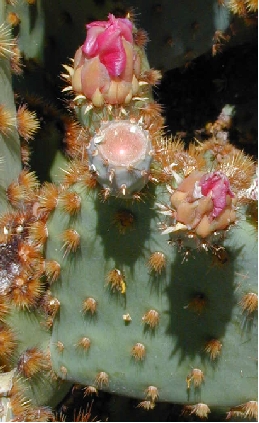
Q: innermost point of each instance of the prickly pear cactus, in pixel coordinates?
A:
(135, 272)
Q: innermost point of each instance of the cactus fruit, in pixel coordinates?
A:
(126, 150)
(96, 288)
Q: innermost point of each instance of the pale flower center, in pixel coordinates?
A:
(123, 143)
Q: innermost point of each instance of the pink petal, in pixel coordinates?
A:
(103, 24)
(125, 26)
(208, 181)
(219, 198)
(217, 186)
(104, 38)
(111, 51)
(91, 45)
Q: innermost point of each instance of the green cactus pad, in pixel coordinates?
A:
(30, 331)
(176, 344)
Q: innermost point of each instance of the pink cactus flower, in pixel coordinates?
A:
(106, 67)
(216, 185)
(104, 38)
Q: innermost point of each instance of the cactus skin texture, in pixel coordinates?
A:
(106, 278)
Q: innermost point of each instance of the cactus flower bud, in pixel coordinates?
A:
(216, 185)
(203, 202)
(106, 67)
(104, 38)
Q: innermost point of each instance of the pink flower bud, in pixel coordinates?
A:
(216, 185)
(106, 67)
(104, 38)
(203, 202)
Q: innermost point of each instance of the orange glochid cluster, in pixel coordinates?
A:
(52, 270)
(213, 348)
(90, 390)
(70, 202)
(196, 376)
(249, 303)
(25, 291)
(71, 240)
(31, 362)
(201, 410)
(146, 405)
(102, 379)
(8, 342)
(151, 318)
(89, 305)
(152, 393)
(116, 280)
(84, 343)
(27, 122)
(248, 410)
(157, 262)
(138, 351)
(7, 120)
